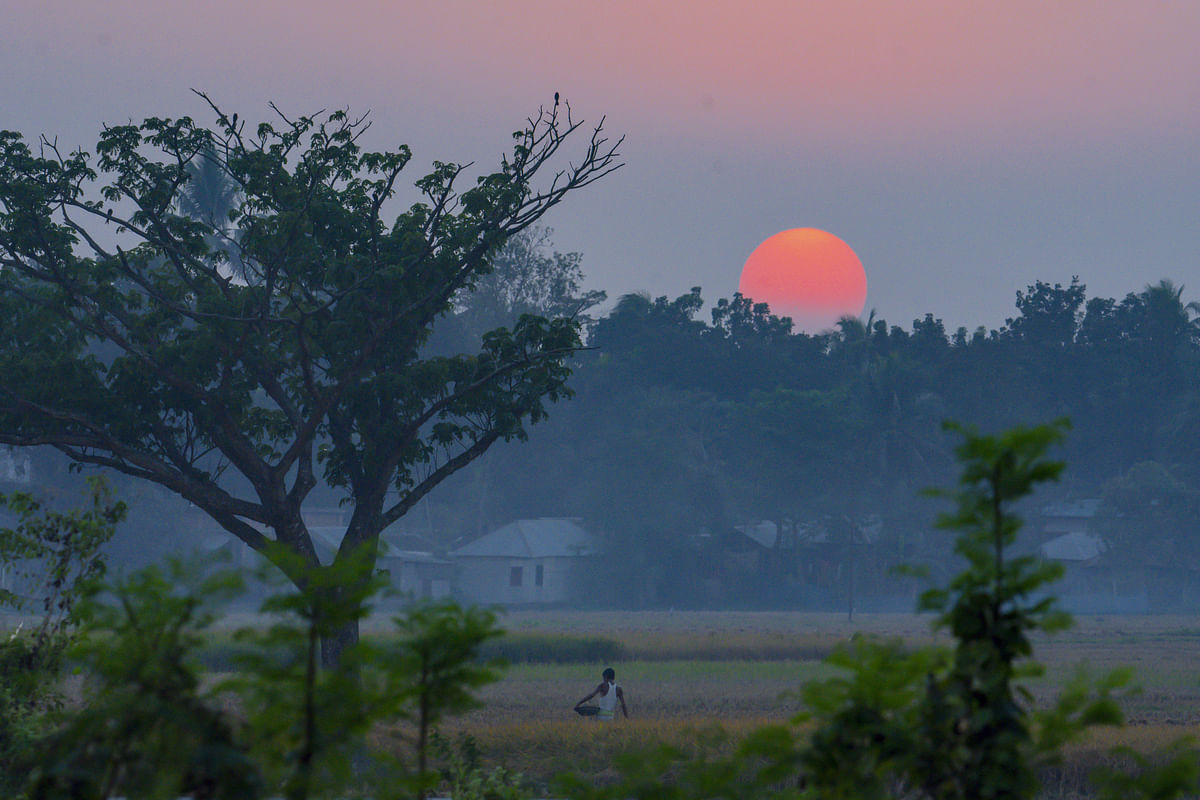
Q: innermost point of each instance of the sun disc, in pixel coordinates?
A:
(807, 274)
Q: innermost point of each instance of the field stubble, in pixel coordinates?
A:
(688, 672)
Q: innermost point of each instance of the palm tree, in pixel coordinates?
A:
(1167, 320)
(211, 194)
(212, 197)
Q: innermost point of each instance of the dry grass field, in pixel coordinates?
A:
(688, 672)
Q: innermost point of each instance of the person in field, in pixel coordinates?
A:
(608, 694)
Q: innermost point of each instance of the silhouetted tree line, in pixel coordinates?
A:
(691, 419)
(687, 424)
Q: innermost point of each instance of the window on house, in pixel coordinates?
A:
(514, 576)
(537, 575)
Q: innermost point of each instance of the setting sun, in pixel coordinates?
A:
(806, 274)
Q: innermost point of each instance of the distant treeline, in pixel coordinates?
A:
(683, 428)
(691, 418)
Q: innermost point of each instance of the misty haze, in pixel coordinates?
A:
(539, 401)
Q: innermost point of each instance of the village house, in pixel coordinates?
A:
(411, 568)
(1090, 583)
(15, 467)
(529, 561)
(408, 562)
(1067, 535)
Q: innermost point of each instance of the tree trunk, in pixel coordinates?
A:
(334, 644)
(349, 584)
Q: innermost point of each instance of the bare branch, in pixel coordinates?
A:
(414, 495)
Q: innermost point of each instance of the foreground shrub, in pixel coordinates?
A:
(282, 726)
(145, 729)
(534, 648)
(938, 723)
(51, 557)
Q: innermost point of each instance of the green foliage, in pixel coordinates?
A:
(764, 765)
(536, 648)
(1169, 775)
(282, 336)
(306, 724)
(149, 728)
(937, 723)
(466, 779)
(436, 670)
(53, 557)
(975, 721)
(438, 662)
(146, 730)
(869, 719)
(27, 692)
(52, 554)
(308, 727)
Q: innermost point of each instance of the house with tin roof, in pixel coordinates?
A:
(526, 562)
(411, 567)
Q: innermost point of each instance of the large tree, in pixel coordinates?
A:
(127, 342)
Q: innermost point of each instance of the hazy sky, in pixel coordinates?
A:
(963, 149)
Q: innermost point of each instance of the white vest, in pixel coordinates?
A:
(608, 703)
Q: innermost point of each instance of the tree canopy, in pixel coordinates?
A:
(127, 341)
(683, 431)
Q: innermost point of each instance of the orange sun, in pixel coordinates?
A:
(806, 274)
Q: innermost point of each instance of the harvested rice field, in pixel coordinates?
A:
(686, 673)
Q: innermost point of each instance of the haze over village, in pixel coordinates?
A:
(375, 378)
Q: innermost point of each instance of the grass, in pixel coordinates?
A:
(542, 749)
(517, 647)
(685, 672)
(698, 692)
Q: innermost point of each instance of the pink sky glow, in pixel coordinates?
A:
(963, 149)
(877, 73)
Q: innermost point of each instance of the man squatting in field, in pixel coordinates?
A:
(609, 693)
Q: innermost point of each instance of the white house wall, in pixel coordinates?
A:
(487, 580)
(413, 582)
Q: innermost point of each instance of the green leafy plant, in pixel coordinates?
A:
(51, 556)
(306, 725)
(146, 728)
(958, 723)
(436, 670)
(466, 779)
(936, 722)
(309, 727)
(976, 740)
(283, 726)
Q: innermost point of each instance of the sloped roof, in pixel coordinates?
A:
(1085, 509)
(1075, 546)
(765, 533)
(548, 537)
(412, 557)
(328, 538)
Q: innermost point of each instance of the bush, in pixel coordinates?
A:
(54, 556)
(935, 723)
(534, 648)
